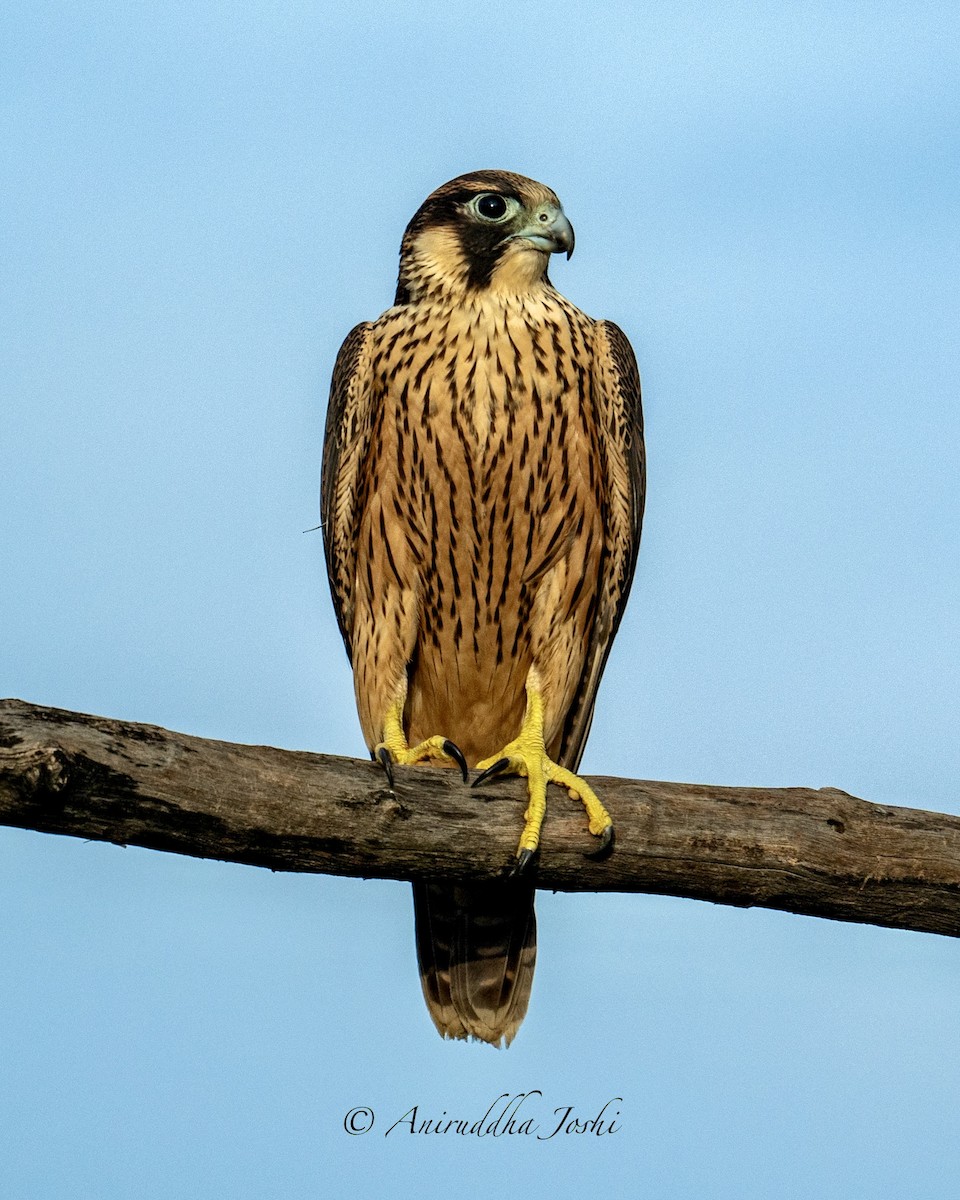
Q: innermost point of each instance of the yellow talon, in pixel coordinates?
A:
(526, 755)
(394, 746)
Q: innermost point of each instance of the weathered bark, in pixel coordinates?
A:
(819, 852)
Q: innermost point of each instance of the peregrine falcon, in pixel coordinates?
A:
(482, 495)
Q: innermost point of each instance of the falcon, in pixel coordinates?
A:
(482, 494)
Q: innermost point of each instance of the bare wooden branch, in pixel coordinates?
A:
(819, 852)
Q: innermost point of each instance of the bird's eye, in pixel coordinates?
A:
(490, 206)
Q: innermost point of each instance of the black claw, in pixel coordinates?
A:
(386, 761)
(500, 765)
(452, 750)
(523, 864)
(605, 849)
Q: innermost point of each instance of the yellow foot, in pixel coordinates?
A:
(394, 748)
(526, 756)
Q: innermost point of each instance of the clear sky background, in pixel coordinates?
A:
(199, 201)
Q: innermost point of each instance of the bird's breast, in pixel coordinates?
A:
(483, 369)
(486, 474)
(485, 408)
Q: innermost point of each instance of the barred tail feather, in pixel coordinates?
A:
(476, 948)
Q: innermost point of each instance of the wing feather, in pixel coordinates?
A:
(345, 445)
(616, 386)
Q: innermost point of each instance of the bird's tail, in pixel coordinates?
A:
(476, 947)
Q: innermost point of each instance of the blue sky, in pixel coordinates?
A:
(201, 200)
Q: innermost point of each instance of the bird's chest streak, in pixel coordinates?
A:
(486, 468)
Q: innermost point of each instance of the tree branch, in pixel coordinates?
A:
(818, 852)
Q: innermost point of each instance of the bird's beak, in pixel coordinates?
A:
(548, 230)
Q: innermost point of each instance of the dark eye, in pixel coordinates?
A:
(491, 206)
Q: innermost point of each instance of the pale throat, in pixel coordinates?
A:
(437, 264)
(521, 269)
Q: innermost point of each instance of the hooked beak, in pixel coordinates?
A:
(549, 231)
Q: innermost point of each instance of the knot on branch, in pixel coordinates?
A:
(40, 774)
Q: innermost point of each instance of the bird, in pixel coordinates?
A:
(482, 493)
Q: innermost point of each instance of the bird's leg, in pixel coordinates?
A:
(526, 755)
(394, 749)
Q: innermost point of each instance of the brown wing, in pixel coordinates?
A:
(616, 384)
(345, 444)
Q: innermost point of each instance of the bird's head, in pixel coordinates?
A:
(486, 230)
